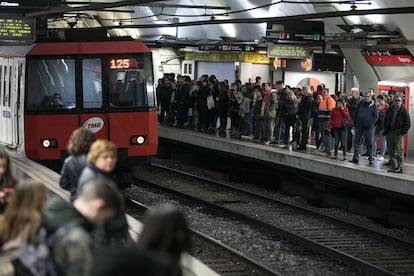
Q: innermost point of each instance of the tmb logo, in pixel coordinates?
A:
(94, 124)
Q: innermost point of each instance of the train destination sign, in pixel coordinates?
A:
(16, 28)
(287, 51)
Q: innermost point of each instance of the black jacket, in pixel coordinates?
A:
(71, 170)
(402, 124)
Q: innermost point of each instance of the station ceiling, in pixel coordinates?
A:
(229, 20)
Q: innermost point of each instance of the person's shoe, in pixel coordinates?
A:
(399, 170)
(354, 161)
(380, 158)
(371, 162)
(365, 154)
(344, 158)
(267, 143)
(391, 170)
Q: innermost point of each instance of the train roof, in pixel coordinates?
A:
(101, 47)
(74, 48)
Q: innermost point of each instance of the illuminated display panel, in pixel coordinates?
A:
(16, 28)
(123, 63)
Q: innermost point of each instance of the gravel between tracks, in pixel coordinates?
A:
(278, 254)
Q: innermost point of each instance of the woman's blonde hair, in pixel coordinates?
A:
(307, 90)
(22, 216)
(98, 147)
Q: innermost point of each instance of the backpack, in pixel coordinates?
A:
(34, 259)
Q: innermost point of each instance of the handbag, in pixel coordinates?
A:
(347, 122)
(210, 102)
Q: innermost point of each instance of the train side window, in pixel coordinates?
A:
(92, 83)
(49, 77)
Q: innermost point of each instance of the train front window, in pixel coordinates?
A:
(92, 83)
(52, 84)
(127, 83)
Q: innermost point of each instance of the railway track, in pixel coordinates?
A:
(221, 258)
(368, 250)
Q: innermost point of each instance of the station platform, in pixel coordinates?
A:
(375, 176)
(25, 168)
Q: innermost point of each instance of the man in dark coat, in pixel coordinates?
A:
(396, 124)
(365, 117)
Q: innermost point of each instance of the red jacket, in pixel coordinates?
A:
(336, 117)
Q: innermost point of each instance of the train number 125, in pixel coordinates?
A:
(119, 63)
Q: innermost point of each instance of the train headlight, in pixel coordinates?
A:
(137, 140)
(49, 143)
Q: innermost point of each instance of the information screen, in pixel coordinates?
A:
(16, 28)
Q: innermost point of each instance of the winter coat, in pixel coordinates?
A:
(116, 228)
(305, 108)
(366, 115)
(72, 253)
(271, 105)
(70, 173)
(337, 116)
(402, 122)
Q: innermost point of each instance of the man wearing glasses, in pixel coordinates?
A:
(396, 124)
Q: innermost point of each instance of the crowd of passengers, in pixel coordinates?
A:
(86, 234)
(283, 115)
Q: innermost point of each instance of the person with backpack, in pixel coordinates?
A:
(20, 224)
(73, 225)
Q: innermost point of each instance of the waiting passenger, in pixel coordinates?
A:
(97, 202)
(102, 157)
(365, 117)
(166, 233)
(78, 146)
(396, 124)
(336, 126)
(20, 223)
(7, 181)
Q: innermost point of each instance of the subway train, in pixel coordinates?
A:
(49, 89)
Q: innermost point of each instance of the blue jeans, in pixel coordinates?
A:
(367, 134)
(248, 123)
(280, 128)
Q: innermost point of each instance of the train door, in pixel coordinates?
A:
(93, 116)
(6, 90)
(3, 117)
(18, 100)
(15, 84)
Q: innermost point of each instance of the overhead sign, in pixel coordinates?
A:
(301, 31)
(16, 28)
(388, 57)
(287, 51)
(227, 48)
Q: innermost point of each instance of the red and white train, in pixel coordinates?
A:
(49, 89)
